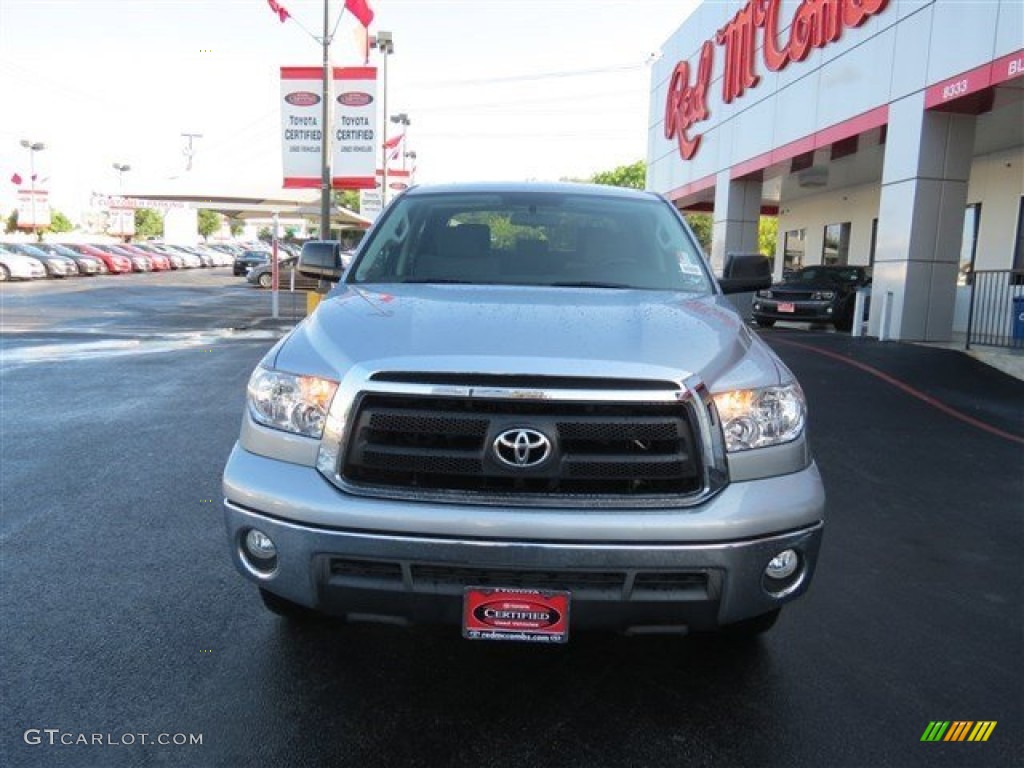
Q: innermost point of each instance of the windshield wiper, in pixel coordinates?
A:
(445, 280)
(591, 284)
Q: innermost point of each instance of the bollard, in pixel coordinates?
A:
(859, 303)
(883, 331)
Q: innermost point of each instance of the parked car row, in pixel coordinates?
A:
(31, 261)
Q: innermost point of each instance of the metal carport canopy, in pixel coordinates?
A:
(249, 203)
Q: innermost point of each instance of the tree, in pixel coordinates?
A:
(12, 222)
(633, 176)
(209, 222)
(348, 198)
(701, 224)
(265, 234)
(59, 223)
(237, 227)
(148, 223)
(290, 233)
(767, 235)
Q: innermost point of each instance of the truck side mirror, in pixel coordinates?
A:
(746, 272)
(321, 259)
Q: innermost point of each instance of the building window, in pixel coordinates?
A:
(836, 248)
(793, 249)
(1018, 249)
(874, 242)
(969, 244)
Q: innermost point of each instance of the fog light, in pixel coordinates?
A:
(260, 546)
(783, 565)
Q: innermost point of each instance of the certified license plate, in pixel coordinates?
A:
(786, 307)
(526, 615)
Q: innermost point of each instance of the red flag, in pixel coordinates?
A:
(16, 178)
(394, 141)
(397, 145)
(279, 9)
(361, 10)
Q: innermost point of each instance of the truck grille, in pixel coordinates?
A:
(446, 443)
(443, 578)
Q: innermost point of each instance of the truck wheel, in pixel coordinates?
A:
(286, 608)
(764, 322)
(752, 627)
(5, 274)
(266, 280)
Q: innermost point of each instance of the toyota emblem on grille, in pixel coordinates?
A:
(522, 448)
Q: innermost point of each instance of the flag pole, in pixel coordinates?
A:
(325, 133)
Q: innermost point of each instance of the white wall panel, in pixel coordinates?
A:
(858, 81)
(963, 36)
(796, 110)
(910, 56)
(1009, 29)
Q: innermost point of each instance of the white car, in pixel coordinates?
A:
(15, 266)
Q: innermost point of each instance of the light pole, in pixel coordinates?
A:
(384, 43)
(411, 154)
(121, 169)
(33, 147)
(189, 151)
(325, 147)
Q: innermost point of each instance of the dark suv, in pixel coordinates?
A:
(249, 259)
(812, 295)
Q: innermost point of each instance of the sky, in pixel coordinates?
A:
(494, 89)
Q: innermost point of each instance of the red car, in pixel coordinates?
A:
(160, 262)
(116, 264)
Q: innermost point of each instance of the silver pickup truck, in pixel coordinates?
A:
(525, 409)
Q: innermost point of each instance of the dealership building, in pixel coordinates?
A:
(887, 133)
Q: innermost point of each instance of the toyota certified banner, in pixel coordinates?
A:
(121, 221)
(354, 142)
(33, 209)
(301, 110)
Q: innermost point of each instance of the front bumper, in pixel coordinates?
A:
(803, 311)
(362, 558)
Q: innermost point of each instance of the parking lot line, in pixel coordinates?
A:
(906, 388)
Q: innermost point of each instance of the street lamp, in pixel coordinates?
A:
(33, 147)
(121, 169)
(384, 43)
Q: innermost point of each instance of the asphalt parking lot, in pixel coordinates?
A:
(121, 614)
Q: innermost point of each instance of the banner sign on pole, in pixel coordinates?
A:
(121, 221)
(370, 203)
(33, 209)
(354, 142)
(301, 110)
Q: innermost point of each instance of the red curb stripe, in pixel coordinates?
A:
(910, 391)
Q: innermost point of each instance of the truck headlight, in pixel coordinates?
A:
(757, 418)
(765, 294)
(297, 404)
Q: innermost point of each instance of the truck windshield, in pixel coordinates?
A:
(532, 238)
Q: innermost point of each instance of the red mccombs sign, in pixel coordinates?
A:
(815, 24)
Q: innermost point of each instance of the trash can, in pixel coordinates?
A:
(1018, 321)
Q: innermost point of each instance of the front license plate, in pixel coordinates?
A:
(787, 308)
(526, 615)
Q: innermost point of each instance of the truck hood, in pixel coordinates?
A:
(602, 333)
